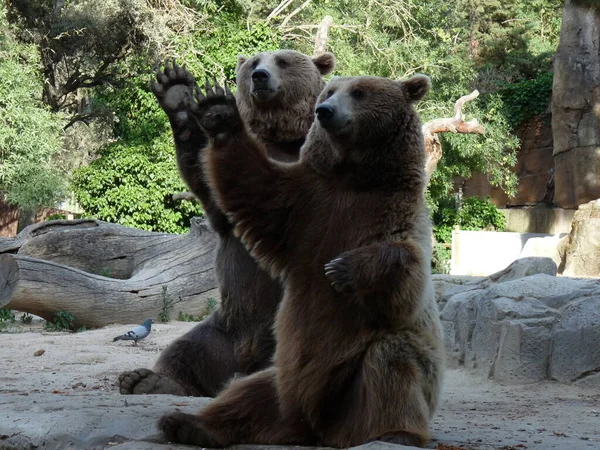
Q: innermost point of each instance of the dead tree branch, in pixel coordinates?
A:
(189, 196)
(321, 37)
(456, 124)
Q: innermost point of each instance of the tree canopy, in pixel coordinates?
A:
(90, 62)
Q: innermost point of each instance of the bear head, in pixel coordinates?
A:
(368, 127)
(277, 92)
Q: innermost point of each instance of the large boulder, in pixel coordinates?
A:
(575, 100)
(518, 326)
(580, 250)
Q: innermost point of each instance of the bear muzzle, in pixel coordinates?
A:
(331, 119)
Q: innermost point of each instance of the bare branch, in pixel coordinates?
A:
(458, 114)
(184, 196)
(294, 12)
(456, 124)
(279, 8)
(321, 37)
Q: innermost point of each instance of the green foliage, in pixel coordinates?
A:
(132, 185)
(6, 315)
(503, 48)
(526, 99)
(474, 214)
(184, 317)
(211, 305)
(440, 261)
(26, 318)
(30, 135)
(62, 321)
(217, 49)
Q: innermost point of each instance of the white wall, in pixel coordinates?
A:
(486, 252)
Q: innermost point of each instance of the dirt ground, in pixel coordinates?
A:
(43, 399)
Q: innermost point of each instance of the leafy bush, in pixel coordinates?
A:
(62, 321)
(440, 261)
(132, 185)
(29, 131)
(475, 214)
(6, 315)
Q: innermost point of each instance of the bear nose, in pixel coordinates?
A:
(260, 75)
(325, 113)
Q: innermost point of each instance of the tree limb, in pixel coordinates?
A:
(456, 124)
(184, 196)
(321, 37)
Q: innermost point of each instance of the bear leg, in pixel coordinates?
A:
(247, 412)
(199, 363)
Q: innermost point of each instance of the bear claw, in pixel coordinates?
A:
(337, 271)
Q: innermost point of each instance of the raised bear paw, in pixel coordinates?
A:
(216, 110)
(173, 86)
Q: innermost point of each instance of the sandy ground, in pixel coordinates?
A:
(73, 381)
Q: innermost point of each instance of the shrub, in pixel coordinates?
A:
(475, 214)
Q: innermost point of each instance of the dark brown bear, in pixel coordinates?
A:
(276, 95)
(359, 352)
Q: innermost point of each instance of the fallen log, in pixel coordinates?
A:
(104, 273)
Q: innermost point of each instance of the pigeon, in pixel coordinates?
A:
(136, 334)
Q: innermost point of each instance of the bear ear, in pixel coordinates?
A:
(241, 60)
(325, 63)
(416, 86)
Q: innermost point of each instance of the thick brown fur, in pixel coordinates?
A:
(359, 353)
(238, 337)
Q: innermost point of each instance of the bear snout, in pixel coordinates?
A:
(260, 76)
(325, 114)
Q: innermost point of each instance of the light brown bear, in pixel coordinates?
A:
(359, 353)
(276, 95)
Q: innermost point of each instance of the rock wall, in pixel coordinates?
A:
(576, 106)
(534, 168)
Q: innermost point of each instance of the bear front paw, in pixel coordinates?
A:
(215, 110)
(172, 87)
(338, 272)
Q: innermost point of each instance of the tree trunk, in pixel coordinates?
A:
(104, 273)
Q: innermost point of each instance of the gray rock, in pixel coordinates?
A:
(523, 351)
(576, 341)
(513, 328)
(543, 247)
(579, 251)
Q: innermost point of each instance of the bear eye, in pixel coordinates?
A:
(282, 63)
(358, 94)
(329, 93)
(255, 63)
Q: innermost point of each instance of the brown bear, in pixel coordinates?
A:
(276, 95)
(359, 353)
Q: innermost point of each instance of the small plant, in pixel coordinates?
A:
(211, 305)
(440, 262)
(26, 318)
(56, 217)
(62, 321)
(184, 317)
(163, 315)
(6, 315)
